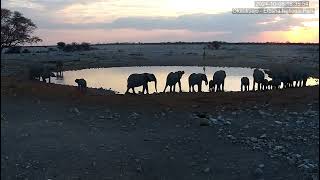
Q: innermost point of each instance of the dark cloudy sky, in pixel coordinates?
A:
(161, 20)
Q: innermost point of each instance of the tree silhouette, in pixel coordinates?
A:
(16, 29)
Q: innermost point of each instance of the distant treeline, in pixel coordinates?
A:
(195, 43)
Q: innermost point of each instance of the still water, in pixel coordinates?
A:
(116, 77)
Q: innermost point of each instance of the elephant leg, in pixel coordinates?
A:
(199, 88)
(189, 88)
(304, 83)
(179, 83)
(49, 80)
(133, 91)
(146, 88)
(127, 91)
(223, 86)
(241, 88)
(170, 88)
(174, 88)
(165, 88)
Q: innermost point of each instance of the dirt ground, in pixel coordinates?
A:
(55, 132)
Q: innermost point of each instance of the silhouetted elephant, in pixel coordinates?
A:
(265, 83)
(270, 84)
(245, 83)
(82, 84)
(136, 80)
(211, 86)
(47, 74)
(36, 72)
(258, 77)
(218, 80)
(59, 68)
(300, 77)
(172, 79)
(196, 79)
(276, 83)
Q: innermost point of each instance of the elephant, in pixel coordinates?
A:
(82, 84)
(136, 80)
(245, 82)
(265, 84)
(37, 72)
(270, 84)
(59, 68)
(276, 83)
(211, 86)
(172, 79)
(218, 80)
(47, 74)
(196, 79)
(258, 77)
(300, 78)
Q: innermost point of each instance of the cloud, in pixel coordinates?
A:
(141, 16)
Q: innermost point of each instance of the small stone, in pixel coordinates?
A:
(276, 148)
(278, 122)
(204, 122)
(231, 137)
(139, 169)
(263, 136)
(258, 173)
(206, 170)
(253, 139)
(261, 166)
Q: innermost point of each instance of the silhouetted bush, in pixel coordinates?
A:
(77, 47)
(26, 51)
(52, 49)
(61, 45)
(214, 45)
(13, 50)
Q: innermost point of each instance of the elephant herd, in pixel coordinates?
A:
(285, 78)
(174, 78)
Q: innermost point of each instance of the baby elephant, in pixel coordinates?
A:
(196, 79)
(265, 83)
(82, 84)
(245, 82)
(211, 84)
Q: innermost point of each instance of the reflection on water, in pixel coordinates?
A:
(116, 77)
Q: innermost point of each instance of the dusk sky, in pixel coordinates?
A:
(104, 21)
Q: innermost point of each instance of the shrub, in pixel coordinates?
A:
(77, 47)
(26, 51)
(14, 50)
(61, 45)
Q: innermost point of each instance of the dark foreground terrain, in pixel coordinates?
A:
(55, 132)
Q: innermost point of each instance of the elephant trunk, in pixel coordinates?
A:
(155, 85)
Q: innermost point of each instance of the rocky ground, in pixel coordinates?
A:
(55, 132)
